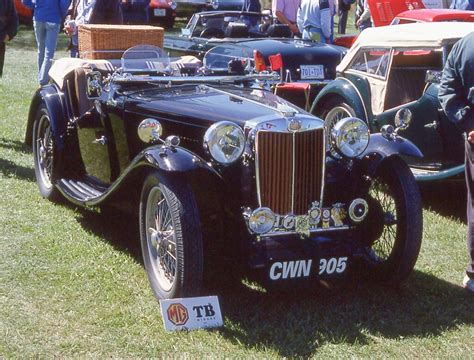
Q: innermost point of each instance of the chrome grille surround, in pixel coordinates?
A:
(275, 144)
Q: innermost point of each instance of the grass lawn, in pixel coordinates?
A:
(72, 282)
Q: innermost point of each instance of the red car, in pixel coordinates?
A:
(162, 12)
(394, 12)
(433, 15)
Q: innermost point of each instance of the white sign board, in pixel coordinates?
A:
(191, 313)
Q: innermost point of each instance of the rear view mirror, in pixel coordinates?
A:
(433, 76)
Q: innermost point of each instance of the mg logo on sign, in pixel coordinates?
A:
(177, 314)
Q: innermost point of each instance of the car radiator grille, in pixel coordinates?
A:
(290, 169)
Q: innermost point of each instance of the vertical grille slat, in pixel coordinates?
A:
(290, 169)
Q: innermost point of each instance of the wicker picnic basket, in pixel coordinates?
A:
(110, 41)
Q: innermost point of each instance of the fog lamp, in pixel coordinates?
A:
(261, 220)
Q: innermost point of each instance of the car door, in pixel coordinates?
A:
(96, 145)
(406, 89)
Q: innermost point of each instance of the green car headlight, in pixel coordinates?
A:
(225, 141)
(350, 137)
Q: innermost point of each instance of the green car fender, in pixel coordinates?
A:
(344, 90)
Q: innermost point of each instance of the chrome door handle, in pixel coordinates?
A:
(101, 141)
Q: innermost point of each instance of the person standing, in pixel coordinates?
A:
(316, 20)
(83, 12)
(285, 11)
(47, 19)
(8, 27)
(364, 19)
(343, 8)
(456, 95)
(462, 5)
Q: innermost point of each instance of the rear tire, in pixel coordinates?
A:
(171, 238)
(46, 155)
(392, 256)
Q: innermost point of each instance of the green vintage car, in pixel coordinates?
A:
(391, 75)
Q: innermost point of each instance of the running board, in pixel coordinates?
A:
(81, 190)
(431, 175)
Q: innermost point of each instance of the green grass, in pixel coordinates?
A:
(72, 282)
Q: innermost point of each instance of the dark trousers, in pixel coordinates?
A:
(2, 56)
(341, 27)
(470, 206)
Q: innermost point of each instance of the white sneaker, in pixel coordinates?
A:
(468, 283)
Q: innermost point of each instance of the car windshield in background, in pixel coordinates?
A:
(218, 58)
(238, 25)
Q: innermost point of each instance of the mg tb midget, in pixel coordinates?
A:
(220, 165)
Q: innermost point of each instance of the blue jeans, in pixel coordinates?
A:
(46, 37)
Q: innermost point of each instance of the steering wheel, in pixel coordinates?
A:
(212, 32)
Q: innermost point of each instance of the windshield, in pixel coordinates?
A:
(149, 59)
(219, 57)
(233, 25)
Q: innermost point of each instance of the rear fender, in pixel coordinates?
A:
(54, 103)
(344, 89)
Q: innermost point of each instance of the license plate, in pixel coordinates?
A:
(159, 12)
(312, 71)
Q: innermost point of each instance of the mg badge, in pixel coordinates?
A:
(294, 125)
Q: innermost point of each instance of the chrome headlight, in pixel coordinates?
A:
(350, 137)
(225, 142)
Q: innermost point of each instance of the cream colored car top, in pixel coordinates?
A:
(417, 35)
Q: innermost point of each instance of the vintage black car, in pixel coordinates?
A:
(219, 164)
(240, 34)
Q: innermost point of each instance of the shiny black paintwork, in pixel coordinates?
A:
(221, 191)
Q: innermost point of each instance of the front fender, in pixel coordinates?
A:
(386, 147)
(175, 159)
(54, 103)
(344, 89)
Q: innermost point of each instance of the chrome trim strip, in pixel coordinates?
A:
(257, 169)
(314, 231)
(293, 174)
(308, 122)
(323, 182)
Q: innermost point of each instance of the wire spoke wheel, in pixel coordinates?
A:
(383, 247)
(335, 112)
(171, 238)
(161, 241)
(45, 154)
(45, 150)
(396, 219)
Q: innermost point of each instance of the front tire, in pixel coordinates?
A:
(171, 238)
(395, 194)
(46, 155)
